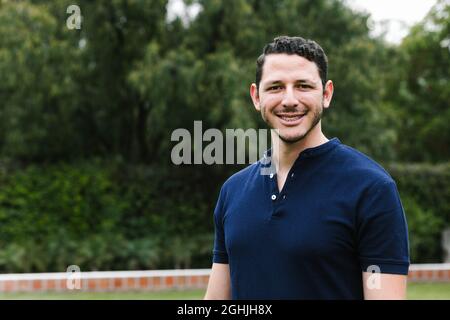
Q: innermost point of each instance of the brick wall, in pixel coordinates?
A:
(157, 280)
(439, 272)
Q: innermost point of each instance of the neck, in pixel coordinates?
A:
(285, 154)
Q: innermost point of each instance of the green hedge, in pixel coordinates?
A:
(425, 193)
(106, 215)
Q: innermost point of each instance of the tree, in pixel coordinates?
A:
(420, 89)
(36, 85)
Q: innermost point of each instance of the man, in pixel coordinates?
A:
(326, 220)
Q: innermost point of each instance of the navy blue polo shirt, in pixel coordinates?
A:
(339, 213)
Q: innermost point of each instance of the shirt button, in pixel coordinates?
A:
(292, 175)
(273, 197)
(284, 197)
(271, 175)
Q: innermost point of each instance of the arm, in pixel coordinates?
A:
(219, 286)
(383, 286)
(383, 245)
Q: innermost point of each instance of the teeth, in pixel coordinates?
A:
(291, 118)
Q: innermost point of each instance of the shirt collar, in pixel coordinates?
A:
(320, 149)
(314, 151)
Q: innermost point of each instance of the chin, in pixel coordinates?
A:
(292, 132)
(292, 138)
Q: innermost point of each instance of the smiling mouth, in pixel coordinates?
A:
(290, 118)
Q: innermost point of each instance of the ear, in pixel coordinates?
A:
(328, 93)
(255, 96)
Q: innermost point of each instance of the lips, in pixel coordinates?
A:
(290, 119)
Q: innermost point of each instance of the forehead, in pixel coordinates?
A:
(287, 67)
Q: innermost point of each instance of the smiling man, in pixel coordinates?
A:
(326, 219)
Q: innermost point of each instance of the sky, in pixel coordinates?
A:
(398, 15)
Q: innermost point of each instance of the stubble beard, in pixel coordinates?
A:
(294, 139)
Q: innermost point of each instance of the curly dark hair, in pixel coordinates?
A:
(305, 48)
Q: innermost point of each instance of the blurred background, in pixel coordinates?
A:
(86, 117)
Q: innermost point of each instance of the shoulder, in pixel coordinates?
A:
(234, 186)
(241, 178)
(354, 163)
(377, 190)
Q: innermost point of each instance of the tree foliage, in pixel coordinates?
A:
(74, 103)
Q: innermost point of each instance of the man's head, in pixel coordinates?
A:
(291, 88)
(305, 48)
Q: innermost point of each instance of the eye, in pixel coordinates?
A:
(274, 88)
(304, 86)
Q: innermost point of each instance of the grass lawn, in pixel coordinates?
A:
(416, 291)
(429, 291)
(164, 295)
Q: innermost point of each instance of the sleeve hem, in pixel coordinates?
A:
(392, 267)
(219, 257)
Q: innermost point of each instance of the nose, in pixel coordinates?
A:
(289, 99)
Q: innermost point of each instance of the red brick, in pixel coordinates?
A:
(8, 285)
(143, 282)
(37, 284)
(51, 284)
(92, 285)
(62, 284)
(169, 281)
(118, 283)
(194, 280)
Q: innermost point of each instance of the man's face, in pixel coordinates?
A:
(291, 96)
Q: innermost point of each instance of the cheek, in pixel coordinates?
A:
(270, 102)
(309, 98)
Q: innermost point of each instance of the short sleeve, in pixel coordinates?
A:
(220, 252)
(382, 231)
